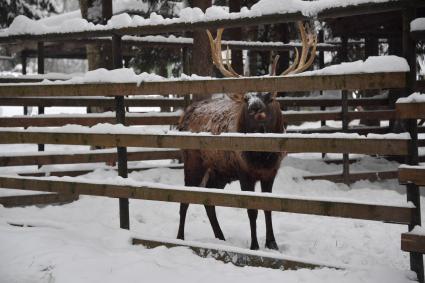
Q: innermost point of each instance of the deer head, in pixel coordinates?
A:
(259, 110)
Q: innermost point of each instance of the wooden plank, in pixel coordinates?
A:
(294, 117)
(90, 101)
(414, 110)
(238, 257)
(413, 243)
(354, 177)
(86, 120)
(85, 157)
(247, 142)
(401, 215)
(418, 35)
(290, 117)
(37, 199)
(227, 85)
(372, 114)
(328, 102)
(411, 175)
(349, 10)
(76, 172)
(362, 130)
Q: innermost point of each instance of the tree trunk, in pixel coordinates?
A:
(236, 34)
(98, 55)
(201, 54)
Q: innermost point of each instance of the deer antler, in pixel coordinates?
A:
(308, 40)
(215, 44)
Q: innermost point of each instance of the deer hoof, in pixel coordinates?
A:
(254, 246)
(272, 245)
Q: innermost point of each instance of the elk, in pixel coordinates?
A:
(242, 113)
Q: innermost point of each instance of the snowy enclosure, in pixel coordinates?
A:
(93, 196)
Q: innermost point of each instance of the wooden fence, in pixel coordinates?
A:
(404, 214)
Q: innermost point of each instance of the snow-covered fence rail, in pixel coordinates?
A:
(272, 202)
(95, 101)
(332, 143)
(383, 80)
(92, 156)
(227, 21)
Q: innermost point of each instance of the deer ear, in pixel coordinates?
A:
(238, 97)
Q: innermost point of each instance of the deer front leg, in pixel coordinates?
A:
(247, 184)
(266, 187)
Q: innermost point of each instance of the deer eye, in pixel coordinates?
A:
(267, 98)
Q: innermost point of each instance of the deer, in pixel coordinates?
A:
(238, 113)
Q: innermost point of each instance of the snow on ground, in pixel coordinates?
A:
(81, 241)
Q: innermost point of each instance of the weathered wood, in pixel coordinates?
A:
(415, 110)
(327, 102)
(86, 157)
(418, 35)
(228, 85)
(413, 243)
(362, 130)
(411, 175)
(354, 177)
(87, 120)
(294, 117)
(37, 199)
(349, 10)
(372, 114)
(238, 257)
(289, 117)
(79, 172)
(220, 142)
(90, 101)
(401, 215)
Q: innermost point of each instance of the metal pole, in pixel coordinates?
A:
(120, 117)
(40, 70)
(412, 190)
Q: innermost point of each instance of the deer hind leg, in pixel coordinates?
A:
(247, 184)
(193, 174)
(266, 187)
(210, 181)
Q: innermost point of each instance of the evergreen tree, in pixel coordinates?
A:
(33, 9)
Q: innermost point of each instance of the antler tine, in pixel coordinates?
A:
(307, 42)
(274, 65)
(229, 66)
(215, 45)
(290, 69)
(312, 56)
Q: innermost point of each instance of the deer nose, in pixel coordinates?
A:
(260, 116)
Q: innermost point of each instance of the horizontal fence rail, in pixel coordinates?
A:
(410, 110)
(46, 158)
(90, 101)
(176, 102)
(221, 142)
(402, 215)
(336, 12)
(227, 85)
(414, 175)
(133, 119)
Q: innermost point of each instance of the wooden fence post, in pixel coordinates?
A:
(412, 190)
(344, 113)
(321, 66)
(24, 72)
(120, 117)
